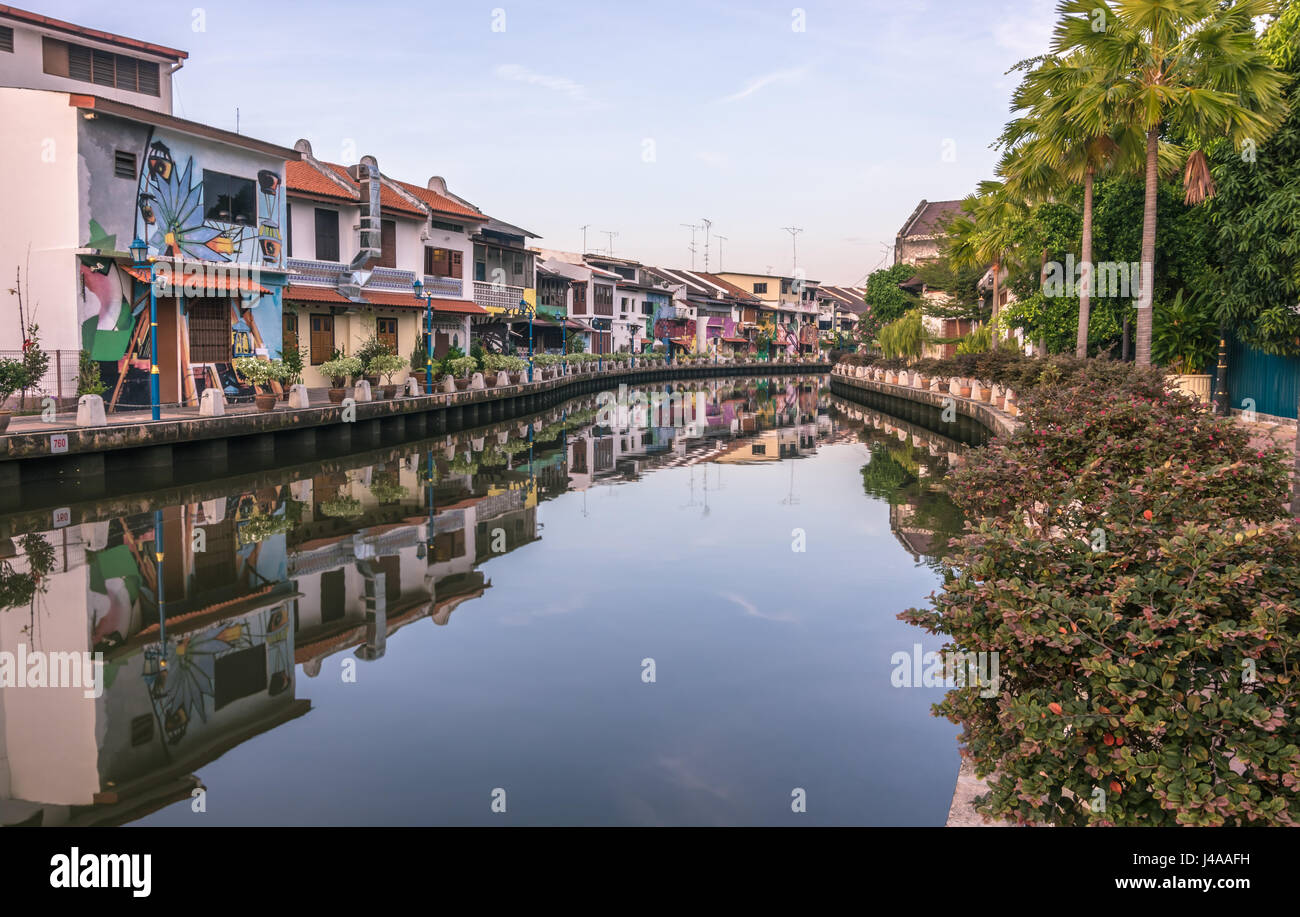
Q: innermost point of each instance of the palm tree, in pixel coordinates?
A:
(987, 231)
(1190, 64)
(1046, 149)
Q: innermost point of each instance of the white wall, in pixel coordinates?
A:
(38, 229)
(25, 67)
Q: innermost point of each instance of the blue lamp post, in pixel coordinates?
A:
(140, 258)
(523, 304)
(428, 334)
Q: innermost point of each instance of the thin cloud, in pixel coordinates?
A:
(561, 84)
(754, 85)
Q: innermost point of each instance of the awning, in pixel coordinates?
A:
(301, 292)
(212, 281)
(683, 342)
(736, 340)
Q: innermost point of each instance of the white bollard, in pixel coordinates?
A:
(361, 391)
(448, 384)
(298, 397)
(90, 411)
(412, 387)
(476, 382)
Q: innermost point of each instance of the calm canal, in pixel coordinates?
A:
(591, 618)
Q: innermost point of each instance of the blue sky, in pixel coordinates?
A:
(631, 117)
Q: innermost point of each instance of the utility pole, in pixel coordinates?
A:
(584, 237)
(720, 239)
(794, 245)
(609, 234)
(693, 228)
(707, 224)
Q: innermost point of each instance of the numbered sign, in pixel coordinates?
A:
(59, 442)
(62, 517)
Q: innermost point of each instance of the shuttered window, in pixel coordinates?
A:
(102, 68)
(387, 243)
(290, 337)
(327, 235)
(209, 321)
(6, 38)
(442, 262)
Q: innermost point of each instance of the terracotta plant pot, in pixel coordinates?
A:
(943, 386)
(390, 391)
(4, 420)
(964, 389)
(337, 394)
(923, 383)
(986, 393)
(266, 402)
(462, 385)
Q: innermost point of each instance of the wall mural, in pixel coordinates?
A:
(177, 216)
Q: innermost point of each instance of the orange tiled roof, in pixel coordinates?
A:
(389, 200)
(441, 204)
(300, 292)
(304, 177)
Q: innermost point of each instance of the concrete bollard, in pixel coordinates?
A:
(301, 490)
(476, 382)
(413, 388)
(90, 411)
(448, 384)
(503, 380)
(361, 391)
(298, 397)
(212, 403)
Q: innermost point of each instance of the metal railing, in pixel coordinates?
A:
(60, 378)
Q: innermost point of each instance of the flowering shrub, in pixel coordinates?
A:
(1134, 573)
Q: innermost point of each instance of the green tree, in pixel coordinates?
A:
(886, 300)
(1192, 65)
(988, 231)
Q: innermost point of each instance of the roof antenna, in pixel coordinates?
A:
(236, 119)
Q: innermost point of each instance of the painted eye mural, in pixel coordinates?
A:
(268, 232)
(161, 163)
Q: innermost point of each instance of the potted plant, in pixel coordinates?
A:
(419, 364)
(370, 348)
(13, 377)
(387, 365)
(293, 365)
(461, 368)
(1183, 340)
(262, 373)
(337, 371)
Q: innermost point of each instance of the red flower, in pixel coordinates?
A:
(1146, 514)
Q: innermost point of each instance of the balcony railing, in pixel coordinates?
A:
(497, 296)
(444, 286)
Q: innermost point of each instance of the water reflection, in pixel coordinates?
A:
(208, 612)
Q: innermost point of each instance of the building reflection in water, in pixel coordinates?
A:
(301, 568)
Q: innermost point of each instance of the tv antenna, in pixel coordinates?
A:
(693, 228)
(707, 224)
(584, 237)
(720, 239)
(611, 235)
(794, 244)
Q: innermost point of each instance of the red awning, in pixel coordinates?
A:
(213, 281)
(300, 292)
(736, 340)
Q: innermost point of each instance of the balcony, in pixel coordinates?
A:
(317, 272)
(495, 297)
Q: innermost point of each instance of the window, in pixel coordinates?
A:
(760, 288)
(229, 199)
(449, 227)
(238, 674)
(579, 299)
(6, 38)
(602, 299)
(123, 164)
(209, 321)
(386, 331)
(758, 450)
(327, 235)
(290, 337)
(442, 262)
(387, 243)
(142, 730)
(103, 68)
(322, 338)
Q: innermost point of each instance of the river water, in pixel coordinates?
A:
(602, 615)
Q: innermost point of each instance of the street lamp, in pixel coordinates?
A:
(140, 259)
(523, 304)
(428, 334)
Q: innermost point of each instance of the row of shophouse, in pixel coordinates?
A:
(281, 248)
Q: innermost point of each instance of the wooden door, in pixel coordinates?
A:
(322, 338)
